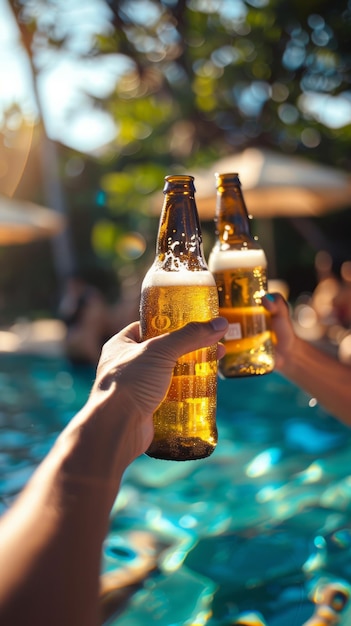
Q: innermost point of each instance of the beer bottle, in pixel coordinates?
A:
(238, 264)
(177, 289)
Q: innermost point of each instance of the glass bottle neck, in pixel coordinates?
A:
(179, 241)
(232, 219)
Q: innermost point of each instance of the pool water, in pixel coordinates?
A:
(246, 536)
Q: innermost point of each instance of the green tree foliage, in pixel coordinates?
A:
(222, 75)
(204, 77)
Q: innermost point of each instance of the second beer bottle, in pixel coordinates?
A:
(238, 264)
(177, 289)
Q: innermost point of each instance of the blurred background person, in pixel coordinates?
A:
(91, 319)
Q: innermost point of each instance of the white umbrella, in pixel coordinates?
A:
(277, 185)
(21, 222)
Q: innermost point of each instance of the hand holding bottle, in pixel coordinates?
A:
(60, 519)
(141, 373)
(314, 370)
(283, 332)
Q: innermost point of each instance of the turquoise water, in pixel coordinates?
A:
(246, 536)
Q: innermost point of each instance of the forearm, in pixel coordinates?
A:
(50, 542)
(321, 375)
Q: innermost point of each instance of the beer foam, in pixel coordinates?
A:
(221, 260)
(160, 278)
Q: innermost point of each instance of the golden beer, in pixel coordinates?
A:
(241, 282)
(185, 422)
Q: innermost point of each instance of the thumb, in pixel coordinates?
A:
(192, 336)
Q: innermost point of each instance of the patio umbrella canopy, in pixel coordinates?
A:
(22, 222)
(276, 185)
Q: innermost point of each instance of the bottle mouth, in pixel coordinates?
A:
(179, 178)
(179, 182)
(230, 177)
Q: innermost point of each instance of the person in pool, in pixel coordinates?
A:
(51, 538)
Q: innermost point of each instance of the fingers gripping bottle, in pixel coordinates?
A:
(177, 289)
(239, 264)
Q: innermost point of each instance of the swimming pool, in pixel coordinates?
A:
(252, 530)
